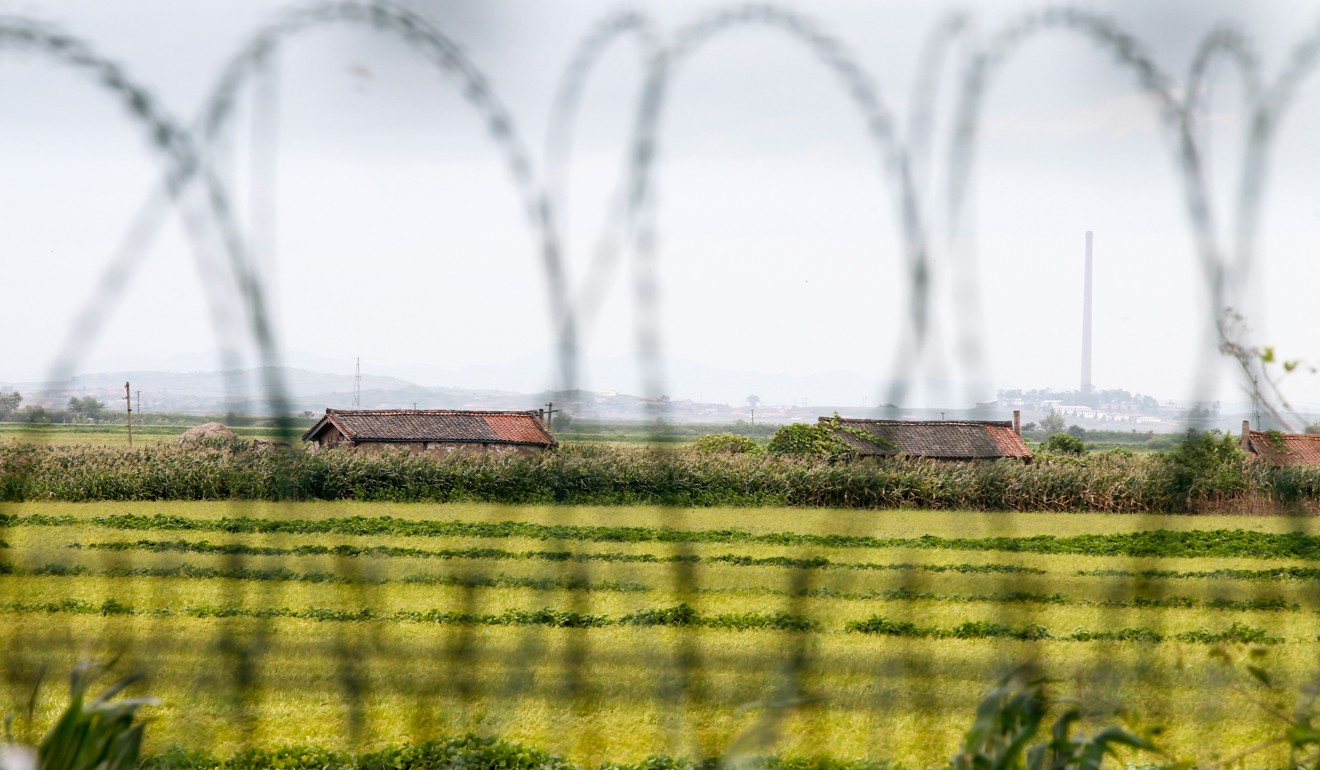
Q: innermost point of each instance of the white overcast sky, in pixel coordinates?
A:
(399, 237)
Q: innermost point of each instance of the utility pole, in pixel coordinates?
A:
(128, 400)
(139, 401)
(357, 387)
(1255, 401)
(550, 413)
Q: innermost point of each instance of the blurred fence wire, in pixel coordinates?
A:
(421, 630)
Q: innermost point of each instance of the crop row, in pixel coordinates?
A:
(1274, 604)
(283, 575)
(602, 475)
(1149, 543)
(1273, 573)
(345, 550)
(465, 752)
(497, 554)
(1237, 633)
(678, 616)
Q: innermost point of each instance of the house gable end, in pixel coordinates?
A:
(321, 429)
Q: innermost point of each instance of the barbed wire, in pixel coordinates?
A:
(629, 238)
(631, 218)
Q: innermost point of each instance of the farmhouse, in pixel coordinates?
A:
(932, 439)
(432, 430)
(1280, 449)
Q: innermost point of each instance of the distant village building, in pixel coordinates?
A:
(432, 430)
(933, 439)
(1280, 449)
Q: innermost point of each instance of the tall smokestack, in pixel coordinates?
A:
(1087, 387)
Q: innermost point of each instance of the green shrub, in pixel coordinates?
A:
(1237, 633)
(680, 615)
(1140, 634)
(981, 629)
(1207, 466)
(1066, 443)
(805, 440)
(778, 621)
(879, 624)
(727, 444)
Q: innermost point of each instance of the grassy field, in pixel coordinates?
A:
(109, 435)
(617, 633)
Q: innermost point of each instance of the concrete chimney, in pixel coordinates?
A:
(1087, 387)
(1017, 422)
(1246, 435)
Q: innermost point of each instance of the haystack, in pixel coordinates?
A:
(205, 432)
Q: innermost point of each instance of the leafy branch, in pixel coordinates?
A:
(1257, 364)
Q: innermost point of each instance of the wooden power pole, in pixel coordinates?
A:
(550, 414)
(128, 400)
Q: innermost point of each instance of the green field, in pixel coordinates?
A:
(617, 633)
(110, 435)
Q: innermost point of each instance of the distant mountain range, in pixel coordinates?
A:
(311, 392)
(315, 382)
(243, 391)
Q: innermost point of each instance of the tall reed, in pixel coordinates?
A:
(617, 475)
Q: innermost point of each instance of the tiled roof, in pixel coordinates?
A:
(1284, 448)
(939, 439)
(436, 425)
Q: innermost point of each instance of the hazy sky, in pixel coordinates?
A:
(399, 237)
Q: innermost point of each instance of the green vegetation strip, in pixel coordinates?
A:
(1275, 573)
(1276, 604)
(380, 551)
(464, 752)
(290, 576)
(577, 584)
(1154, 543)
(1237, 633)
(681, 615)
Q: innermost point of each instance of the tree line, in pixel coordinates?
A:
(87, 409)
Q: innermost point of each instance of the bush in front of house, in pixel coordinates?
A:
(1065, 443)
(1207, 466)
(727, 444)
(806, 440)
